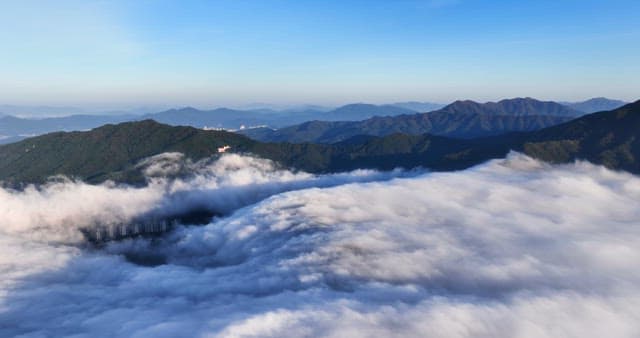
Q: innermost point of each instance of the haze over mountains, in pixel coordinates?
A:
(15, 128)
(8, 109)
(596, 104)
(419, 106)
(225, 118)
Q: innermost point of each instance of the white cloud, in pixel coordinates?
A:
(56, 211)
(512, 248)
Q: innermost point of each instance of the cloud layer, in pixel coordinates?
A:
(511, 248)
(55, 212)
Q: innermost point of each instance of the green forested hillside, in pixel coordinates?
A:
(611, 138)
(95, 155)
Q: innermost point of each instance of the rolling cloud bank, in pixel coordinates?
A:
(510, 248)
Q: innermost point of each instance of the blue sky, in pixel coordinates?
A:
(211, 53)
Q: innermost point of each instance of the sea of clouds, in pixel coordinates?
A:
(510, 248)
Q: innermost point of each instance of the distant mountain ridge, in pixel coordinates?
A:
(12, 128)
(216, 118)
(234, 119)
(461, 119)
(15, 128)
(595, 105)
(421, 107)
(361, 111)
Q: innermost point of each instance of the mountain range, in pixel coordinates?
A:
(595, 105)
(112, 151)
(461, 119)
(234, 119)
(14, 128)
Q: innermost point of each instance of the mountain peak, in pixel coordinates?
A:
(520, 106)
(187, 109)
(527, 99)
(464, 107)
(596, 104)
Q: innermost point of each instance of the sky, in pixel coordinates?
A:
(113, 54)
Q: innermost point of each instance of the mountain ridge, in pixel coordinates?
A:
(512, 107)
(461, 119)
(595, 104)
(12, 127)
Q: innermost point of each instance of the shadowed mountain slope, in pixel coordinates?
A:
(611, 138)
